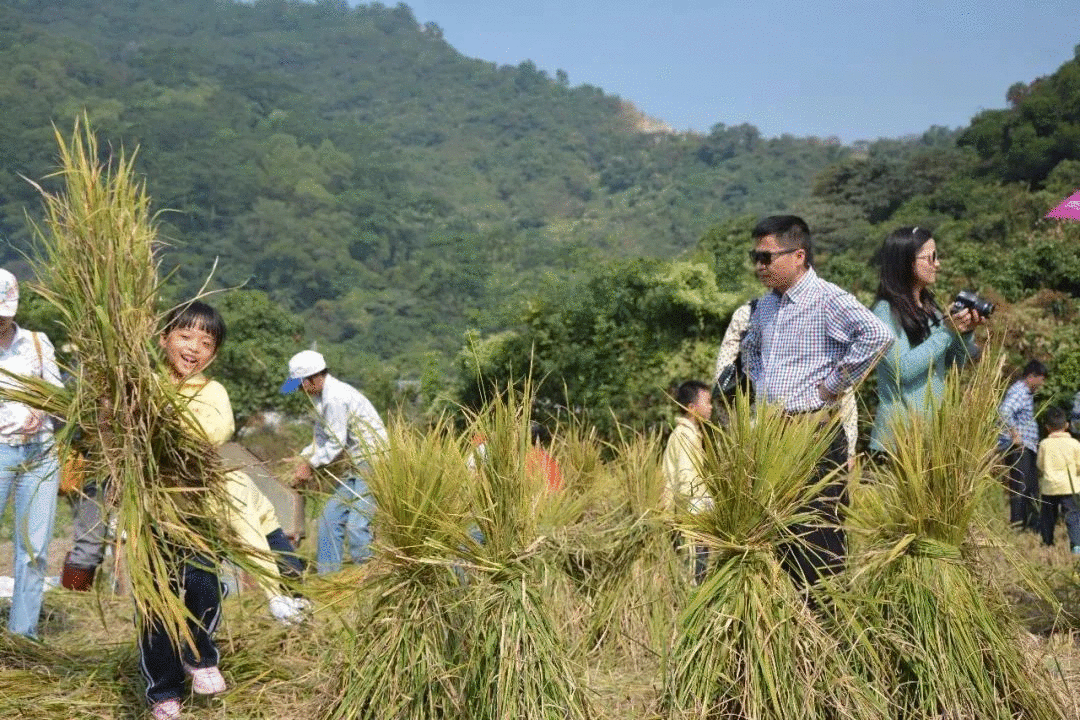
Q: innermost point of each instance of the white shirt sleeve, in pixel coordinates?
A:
(731, 344)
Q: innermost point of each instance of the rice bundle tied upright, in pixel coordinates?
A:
(753, 642)
(516, 663)
(618, 553)
(397, 656)
(953, 646)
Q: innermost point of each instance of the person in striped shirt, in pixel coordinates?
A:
(808, 341)
(1019, 441)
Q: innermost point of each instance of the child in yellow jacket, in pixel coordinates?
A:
(192, 336)
(1058, 461)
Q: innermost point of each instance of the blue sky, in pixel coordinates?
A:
(857, 69)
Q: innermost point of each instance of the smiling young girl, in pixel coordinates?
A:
(189, 342)
(192, 336)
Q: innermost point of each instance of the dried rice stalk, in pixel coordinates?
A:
(98, 268)
(395, 658)
(516, 663)
(619, 552)
(953, 644)
(749, 645)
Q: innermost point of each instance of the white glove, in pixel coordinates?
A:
(287, 610)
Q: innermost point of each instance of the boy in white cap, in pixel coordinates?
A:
(348, 429)
(28, 466)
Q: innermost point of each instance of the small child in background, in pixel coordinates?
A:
(683, 464)
(1059, 478)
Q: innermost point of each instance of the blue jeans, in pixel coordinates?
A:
(31, 471)
(1048, 518)
(347, 516)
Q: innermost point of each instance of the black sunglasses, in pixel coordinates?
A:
(765, 257)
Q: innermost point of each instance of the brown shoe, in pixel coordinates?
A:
(77, 578)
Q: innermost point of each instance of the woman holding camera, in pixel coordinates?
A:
(911, 374)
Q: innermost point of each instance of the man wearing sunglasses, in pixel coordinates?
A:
(808, 341)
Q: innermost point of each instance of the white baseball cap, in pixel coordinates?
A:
(303, 364)
(9, 294)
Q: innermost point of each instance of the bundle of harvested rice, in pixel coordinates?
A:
(396, 656)
(515, 662)
(620, 556)
(749, 643)
(954, 647)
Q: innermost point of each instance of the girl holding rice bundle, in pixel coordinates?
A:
(190, 341)
(911, 374)
(97, 266)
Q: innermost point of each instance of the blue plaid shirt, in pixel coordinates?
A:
(814, 334)
(1017, 411)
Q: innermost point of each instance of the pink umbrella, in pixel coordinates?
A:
(1069, 209)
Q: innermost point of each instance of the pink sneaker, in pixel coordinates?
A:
(166, 709)
(205, 681)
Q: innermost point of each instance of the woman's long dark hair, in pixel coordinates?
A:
(897, 260)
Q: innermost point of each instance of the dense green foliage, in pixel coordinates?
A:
(389, 193)
(1040, 131)
(616, 340)
(251, 363)
(352, 165)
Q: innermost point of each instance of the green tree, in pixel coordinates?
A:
(252, 363)
(610, 345)
(725, 245)
(1039, 130)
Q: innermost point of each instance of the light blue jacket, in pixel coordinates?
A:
(912, 378)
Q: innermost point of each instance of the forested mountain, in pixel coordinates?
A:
(354, 166)
(391, 193)
(982, 191)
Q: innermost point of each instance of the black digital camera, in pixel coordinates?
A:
(967, 300)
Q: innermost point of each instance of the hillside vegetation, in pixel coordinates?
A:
(358, 169)
(379, 193)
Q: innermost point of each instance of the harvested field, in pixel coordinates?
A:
(87, 665)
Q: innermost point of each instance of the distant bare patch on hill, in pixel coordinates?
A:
(639, 122)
